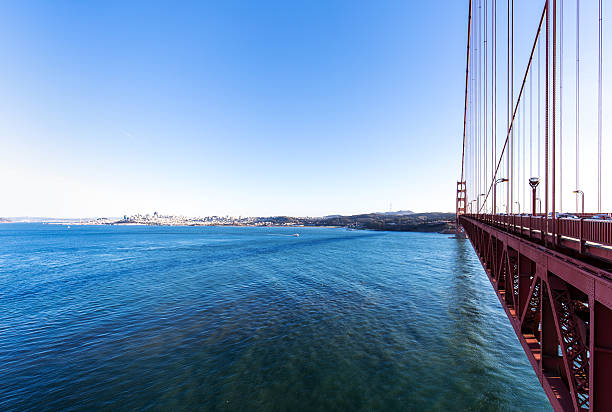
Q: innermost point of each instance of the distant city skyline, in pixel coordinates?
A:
(241, 108)
(170, 215)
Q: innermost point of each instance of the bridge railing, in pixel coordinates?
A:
(586, 233)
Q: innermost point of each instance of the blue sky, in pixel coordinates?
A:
(239, 108)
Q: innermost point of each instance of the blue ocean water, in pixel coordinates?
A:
(228, 318)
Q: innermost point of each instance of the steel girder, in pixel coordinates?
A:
(561, 311)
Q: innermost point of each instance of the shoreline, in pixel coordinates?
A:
(415, 230)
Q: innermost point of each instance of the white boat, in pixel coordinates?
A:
(296, 235)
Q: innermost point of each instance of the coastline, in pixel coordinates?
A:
(416, 229)
(432, 222)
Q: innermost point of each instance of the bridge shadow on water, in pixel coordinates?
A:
(482, 343)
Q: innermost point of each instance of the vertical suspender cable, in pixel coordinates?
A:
(478, 102)
(521, 170)
(539, 110)
(599, 112)
(470, 131)
(512, 105)
(561, 107)
(494, 94)
(485, 95)
(473, 88)
(530, 123)
(517, 127)
(577, 100)
(480, 99)
(524, 182)
(479, 86)
(493, 98)
(473, 110)
(508, 109)
(473, 103)
(546, 187)
(554, 121)
(475, 100)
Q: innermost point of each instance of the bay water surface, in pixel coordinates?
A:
(245, 319)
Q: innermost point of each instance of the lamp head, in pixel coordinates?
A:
(534, 182)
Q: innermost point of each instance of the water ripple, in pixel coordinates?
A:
(123, 318)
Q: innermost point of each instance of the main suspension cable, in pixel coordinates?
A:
(465, 103)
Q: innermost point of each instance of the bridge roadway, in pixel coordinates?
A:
(553, 278)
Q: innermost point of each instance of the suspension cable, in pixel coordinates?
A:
(508, 108)
(476, 86)
(531, 124)
(467, 67)
(511, 182)
(546, 119)
(494, 91)
(519, 136)
(554, 122)
(599, 112)
(524, 157)
(561, 108)
(485, 95)
(577, 100)
(539, 110)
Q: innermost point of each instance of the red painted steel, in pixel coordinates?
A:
(559, 301)
(461, 198)
(552, 272)
(585, 235)
(467, 74)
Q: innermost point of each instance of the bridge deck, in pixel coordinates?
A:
(587, 236)
(556, 289)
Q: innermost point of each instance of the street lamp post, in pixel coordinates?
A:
(500, 180)
(534, 182)
(478, 202)
(581, 193)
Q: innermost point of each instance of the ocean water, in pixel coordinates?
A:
(246, 319)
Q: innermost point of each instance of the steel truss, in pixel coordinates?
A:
(561, 310)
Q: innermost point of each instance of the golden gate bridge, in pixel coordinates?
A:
(551, 267)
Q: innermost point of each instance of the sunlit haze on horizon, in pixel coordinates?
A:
(252, 108)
